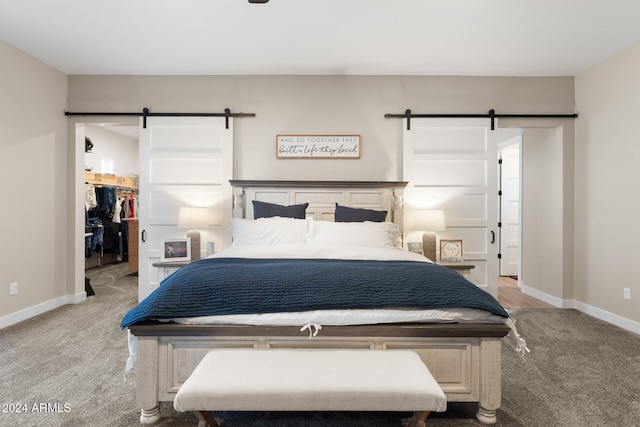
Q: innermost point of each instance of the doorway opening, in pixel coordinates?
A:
(509, 161)
(539, 196)
(106, 156)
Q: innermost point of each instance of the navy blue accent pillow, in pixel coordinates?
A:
(268, 210)
(346, 214)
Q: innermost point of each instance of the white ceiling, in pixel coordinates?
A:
(377, 37)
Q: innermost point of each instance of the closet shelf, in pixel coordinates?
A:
(109, 179)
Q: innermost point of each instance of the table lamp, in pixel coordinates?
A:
(193, 218)
(429, 221)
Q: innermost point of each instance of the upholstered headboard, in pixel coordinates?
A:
(322, 196)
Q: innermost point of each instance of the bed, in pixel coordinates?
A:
(462, 351)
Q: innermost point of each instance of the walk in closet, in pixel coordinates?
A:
(111, 196)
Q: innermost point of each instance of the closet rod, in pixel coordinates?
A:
(147, 113)
(490, 115)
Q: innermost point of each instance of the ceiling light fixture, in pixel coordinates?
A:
(258, 1)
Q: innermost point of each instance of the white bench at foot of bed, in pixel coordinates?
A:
(310, 380)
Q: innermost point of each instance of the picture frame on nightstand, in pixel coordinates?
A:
(175, 249)
(451, 250)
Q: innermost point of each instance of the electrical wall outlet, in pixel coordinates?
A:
(13, 288)
(627, 293)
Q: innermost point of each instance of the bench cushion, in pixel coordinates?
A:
(310, 380)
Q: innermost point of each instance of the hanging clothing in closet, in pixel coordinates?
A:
(92, 231)
(117, 211)
(90, 199)
(121, 211)
(106, 199)
(106, 234)
(131, 207)
(106, 225)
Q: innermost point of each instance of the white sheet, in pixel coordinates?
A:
(306, 250)
(347, 317)
(336, 317)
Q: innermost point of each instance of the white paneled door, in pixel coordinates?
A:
(184, 161)
(452, 164)
(510, 209)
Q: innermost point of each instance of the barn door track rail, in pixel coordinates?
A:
(147, 113)
(490, 115)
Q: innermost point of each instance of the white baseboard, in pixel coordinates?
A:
(27, 313)
(598, 313)
(549, 299)
(623, 322)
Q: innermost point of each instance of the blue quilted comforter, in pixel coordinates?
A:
(246, 285)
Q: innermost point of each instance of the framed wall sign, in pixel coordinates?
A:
(451, 250)
(176, 250)
(318, 146)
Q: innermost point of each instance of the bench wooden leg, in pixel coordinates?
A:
(418, 419)
(205, 419)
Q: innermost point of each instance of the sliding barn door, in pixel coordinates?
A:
(184, 161)
(452, 164)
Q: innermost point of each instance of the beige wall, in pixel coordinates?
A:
(39, 219)
(320, 104)
(33, 173)
(282, 104)
(607, 181)
(542, 208)
(358, 104)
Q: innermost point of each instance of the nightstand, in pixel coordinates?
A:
(461, 267)
(167, 268)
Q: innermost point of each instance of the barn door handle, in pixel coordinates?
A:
(493, 237)
(144, 236)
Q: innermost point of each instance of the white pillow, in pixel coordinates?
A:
(267, 231)
(375, 234)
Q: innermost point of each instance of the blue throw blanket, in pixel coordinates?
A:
(246, 285)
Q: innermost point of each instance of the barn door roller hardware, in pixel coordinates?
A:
(490, 115)
(147, 113)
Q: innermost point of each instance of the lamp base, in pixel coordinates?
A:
(428, 245)
(194, 235)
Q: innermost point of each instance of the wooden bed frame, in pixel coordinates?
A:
(463, 357)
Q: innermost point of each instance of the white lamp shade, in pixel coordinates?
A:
(193, 218)
(429, 220)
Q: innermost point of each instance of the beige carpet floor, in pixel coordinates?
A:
(65, 368)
